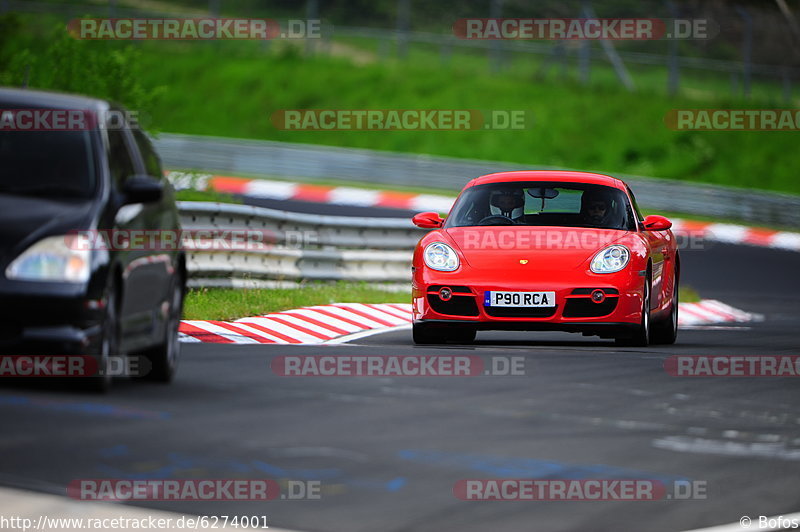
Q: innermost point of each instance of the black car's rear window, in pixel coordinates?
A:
(57, 164)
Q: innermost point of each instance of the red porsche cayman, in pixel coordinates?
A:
(546, 250)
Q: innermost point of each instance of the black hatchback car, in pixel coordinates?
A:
(80, 190)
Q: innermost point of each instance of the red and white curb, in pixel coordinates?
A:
(711, 312)
(738, 234)
(340, 322)
(309, 325)
(362, 197)
(283, 190)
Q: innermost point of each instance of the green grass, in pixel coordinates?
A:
(205, 195)
(229, 304)
(688, 295)
(596, 128)
(231, 89)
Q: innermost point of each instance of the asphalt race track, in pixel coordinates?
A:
(389, 450)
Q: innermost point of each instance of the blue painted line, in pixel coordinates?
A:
(75, 407)
(504, 467)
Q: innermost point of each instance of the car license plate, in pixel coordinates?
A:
(519, 299)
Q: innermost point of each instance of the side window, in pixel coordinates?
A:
(636, 210)
(151, 161)
(119, 158)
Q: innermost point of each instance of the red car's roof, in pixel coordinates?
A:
(549, 175)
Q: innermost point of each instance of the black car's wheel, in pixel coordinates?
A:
(101, 381)
(164, 357)
(665, 331)
(641, 336)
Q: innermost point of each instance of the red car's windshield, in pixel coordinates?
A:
(536, 203)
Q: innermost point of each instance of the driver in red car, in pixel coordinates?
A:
(595, 208)
(508, 202)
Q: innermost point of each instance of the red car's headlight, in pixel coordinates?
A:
(611, 259)
(441, 257)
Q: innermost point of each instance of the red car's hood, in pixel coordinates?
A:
(545, 248)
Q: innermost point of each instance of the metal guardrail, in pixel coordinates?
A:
(304, 162)
(297, 247)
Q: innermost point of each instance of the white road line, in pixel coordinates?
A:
(738, 527)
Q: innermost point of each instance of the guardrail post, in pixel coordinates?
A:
(312, 13)
(403, 25)
(747, 49)
(673, 73)
(496, 46)
(787, 86)
(613, 56)
(446, 52)
(585, 53)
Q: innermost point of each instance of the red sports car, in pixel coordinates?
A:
(546, 250)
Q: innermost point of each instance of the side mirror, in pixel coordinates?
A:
(428, 220)
(655, 222)
(142, 189)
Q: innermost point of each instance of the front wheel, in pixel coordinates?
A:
(100, 382)
(666, 331)
(641, 336)
(164, 357)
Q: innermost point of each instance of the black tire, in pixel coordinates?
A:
(100, 382)
(461, 335)
(164, 357)
(424, 334)
(641, 336)
(665, 331)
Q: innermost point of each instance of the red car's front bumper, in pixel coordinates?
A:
(574, 309)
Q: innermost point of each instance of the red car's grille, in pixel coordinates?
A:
(456, 306)
(586, 308)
